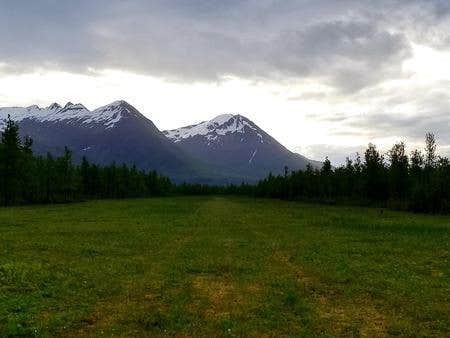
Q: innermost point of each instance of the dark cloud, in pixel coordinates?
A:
(347, 44)
(344, 53)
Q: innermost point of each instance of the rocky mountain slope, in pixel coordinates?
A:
(237, 146)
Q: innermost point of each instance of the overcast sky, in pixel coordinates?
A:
(323, 77)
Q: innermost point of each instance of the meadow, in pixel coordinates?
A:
(222, 266)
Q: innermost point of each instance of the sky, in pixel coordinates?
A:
(324, 77)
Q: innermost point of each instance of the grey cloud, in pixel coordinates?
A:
(336, 117)
(348, 45)
(336, 43)
(407, 113)
(337, 154)
(425, 22)
(345, 53)
(310, 95)
(427, 110)
(414, 127)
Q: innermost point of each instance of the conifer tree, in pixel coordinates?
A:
(10, 156)
(430, 151)
(398, 171)
(373, 173)
(29, 183)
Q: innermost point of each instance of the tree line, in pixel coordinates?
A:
(417, 182)
(26, 178)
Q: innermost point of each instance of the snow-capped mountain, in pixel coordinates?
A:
(116, 132)
(106, 116)
(237, 146)
(229, 148)
(213, 129)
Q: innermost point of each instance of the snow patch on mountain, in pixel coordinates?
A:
(253, 156)
(112, 113)
(219, 126)
(107, 116)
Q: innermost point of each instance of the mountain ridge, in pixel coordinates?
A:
(116, 132)
(230, 148)
(107, 114)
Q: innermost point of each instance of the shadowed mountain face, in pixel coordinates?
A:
(237, 146)
(227, 149)
(114, 133)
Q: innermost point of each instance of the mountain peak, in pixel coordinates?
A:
(115, 111)
(229, 118)
(120, 107)
(222, 118)
(54, 106)
(119, 103)
(221, 125)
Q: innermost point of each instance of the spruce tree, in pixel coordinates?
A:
(85, 179)
(67, 173)
(10, 156)
(398, 171)
(430, 151)
(29, 183)
(374, 174)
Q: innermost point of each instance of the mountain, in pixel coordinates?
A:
(238, 147)
(227, 149)
(116, 132)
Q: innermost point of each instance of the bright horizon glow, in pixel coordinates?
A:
(300, 116)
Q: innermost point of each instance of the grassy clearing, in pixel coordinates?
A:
(222, 266)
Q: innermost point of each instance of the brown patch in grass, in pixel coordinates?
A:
(215, 290)
(222, 297)
(110, 312)
(436, 273)
(361, 316)
(343, 314)
(305, 279)
(218, 293)
(101, 320)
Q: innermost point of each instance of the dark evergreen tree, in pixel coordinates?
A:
(375, 178)
(10, 158)
(430, 151)
(29, 182)
(398, 172)
(86, 180)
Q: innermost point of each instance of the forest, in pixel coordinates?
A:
(418, 182)
(28, 179)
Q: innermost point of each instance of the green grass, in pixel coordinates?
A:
(214, 266)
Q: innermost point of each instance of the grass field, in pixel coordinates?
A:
(213, 266)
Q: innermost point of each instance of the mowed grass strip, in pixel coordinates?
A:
(208, 266)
